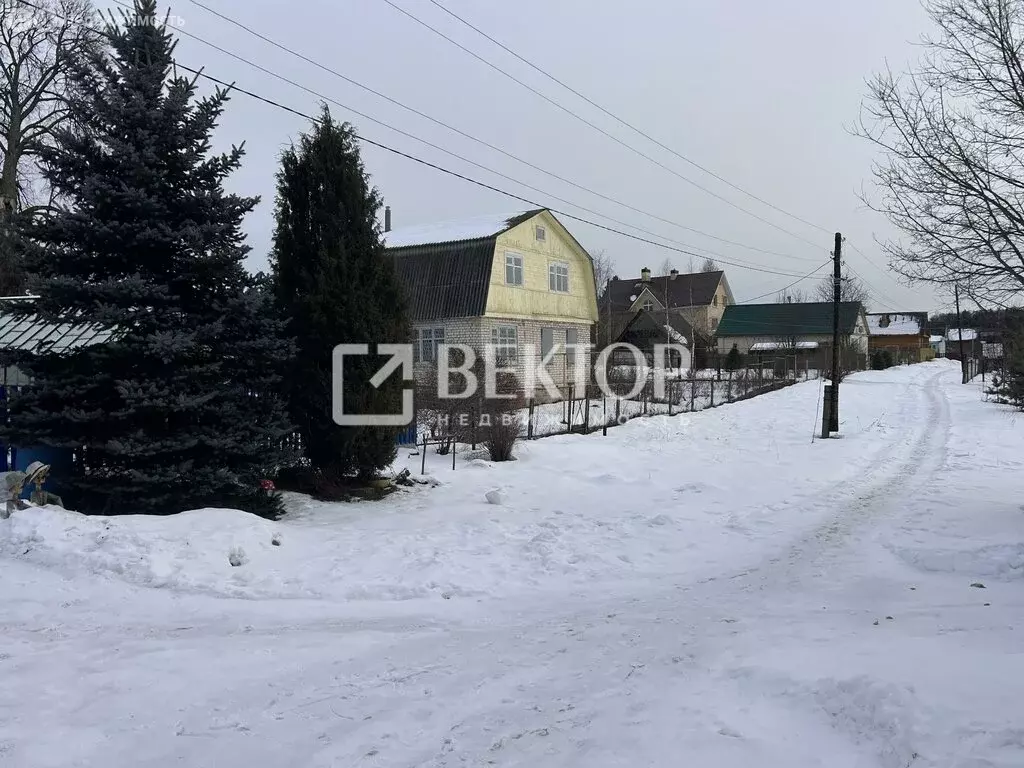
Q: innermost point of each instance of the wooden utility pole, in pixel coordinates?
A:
(960, 334)
(830, 411)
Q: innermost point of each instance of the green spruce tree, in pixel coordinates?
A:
(180, 406)
(335, 285)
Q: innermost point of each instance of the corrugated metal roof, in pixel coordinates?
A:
(445, 280)
(793, 319)
(30, 334)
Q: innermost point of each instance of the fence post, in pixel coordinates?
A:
(568, 417)
(604, 421)
(472, 426)
(423, 461)
(760, 374)
(455, 443)
(728, 389)
(712, 393)
(618, 409)
(529, 419)
(670, 394)
(693, 394)
(586, 415)
(643, 398)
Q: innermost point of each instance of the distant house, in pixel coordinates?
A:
(971, 343)
(520, 282)
(801, 329)
(700, 298)
(938, 345)
(903, 334)
(650, 328)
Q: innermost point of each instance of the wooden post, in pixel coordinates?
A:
(529, 419)
(423, 462)
(604, 405)
(670, 394)
(618, 409)
(455, 442)
(472, 426)
(728, 389)
(693, 394)
(712, 393)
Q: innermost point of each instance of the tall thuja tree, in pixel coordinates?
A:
(179, 408)
(335, 285)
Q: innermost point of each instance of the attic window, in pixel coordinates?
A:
(540, 233)
(648, 305)
(883, 322)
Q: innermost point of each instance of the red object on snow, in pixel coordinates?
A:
(267, 485)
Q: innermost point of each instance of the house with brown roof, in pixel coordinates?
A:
(903, 334)
(699, 298)
(519, 284)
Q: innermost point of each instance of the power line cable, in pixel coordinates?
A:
(787, 287)
(458, 131)
(621, 120)
(455, 174)
(596, 127)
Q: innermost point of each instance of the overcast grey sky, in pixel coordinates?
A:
(764, 94)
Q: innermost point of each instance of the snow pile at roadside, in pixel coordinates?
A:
(192, 551)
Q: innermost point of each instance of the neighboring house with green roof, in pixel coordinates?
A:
(803, 327)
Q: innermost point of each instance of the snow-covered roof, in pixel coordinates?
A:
(771, 346)
(451, 231)
(893, 324)
(969, 334)
(935, 339)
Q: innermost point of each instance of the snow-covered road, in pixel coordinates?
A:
(708, 590)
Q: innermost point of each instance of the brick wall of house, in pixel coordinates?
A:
(476, 332)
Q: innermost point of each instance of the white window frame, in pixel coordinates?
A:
(425, 344)
(558, 275)
(505, 341)
(648, 306)
(514, 262)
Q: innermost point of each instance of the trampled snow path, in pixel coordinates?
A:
(730, 607)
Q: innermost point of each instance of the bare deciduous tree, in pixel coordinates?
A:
(953, 132)
(604, 269)
(792, 296)
(38, 46)
(851, 288)
(709, 265)
(666, 267)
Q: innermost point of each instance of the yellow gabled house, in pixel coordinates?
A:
(519, 282)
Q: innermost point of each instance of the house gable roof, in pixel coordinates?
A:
(445, 268)
(692, 290)
(678, 330)
(793, 319)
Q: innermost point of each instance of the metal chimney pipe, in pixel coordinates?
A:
(673, 274)
(645, 275)
(387, 218)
